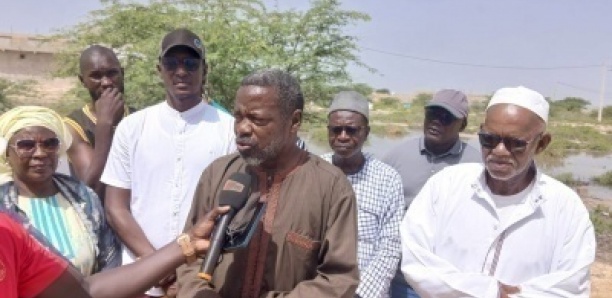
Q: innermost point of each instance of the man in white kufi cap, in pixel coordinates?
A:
(501, 228)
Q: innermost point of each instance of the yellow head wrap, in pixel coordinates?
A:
(28, 116)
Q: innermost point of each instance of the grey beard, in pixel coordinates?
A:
(268, 153)
(253, 161)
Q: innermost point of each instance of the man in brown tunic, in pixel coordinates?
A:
(306, 243)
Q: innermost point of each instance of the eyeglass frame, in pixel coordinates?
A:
(344, 128)
(26, 153)
(179, 62)
(507, 141)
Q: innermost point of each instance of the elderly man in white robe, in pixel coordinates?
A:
(501, 228)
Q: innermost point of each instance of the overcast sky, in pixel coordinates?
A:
(554, 46)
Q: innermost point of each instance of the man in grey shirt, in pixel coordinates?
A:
(417, 159)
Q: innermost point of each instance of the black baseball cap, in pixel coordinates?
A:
(184, 38)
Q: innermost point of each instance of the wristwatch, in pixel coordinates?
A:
(184, 241)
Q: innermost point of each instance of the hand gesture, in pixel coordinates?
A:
(110, 106)
(200, 232)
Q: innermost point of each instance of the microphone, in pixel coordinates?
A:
(234, 194)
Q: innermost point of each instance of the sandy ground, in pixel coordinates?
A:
(601, 271)
(48, 91)
(601, 279)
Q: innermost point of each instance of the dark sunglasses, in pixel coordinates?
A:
(27, 147)
(442, 115)
(172, 63)
(338, 129)
(490, 141)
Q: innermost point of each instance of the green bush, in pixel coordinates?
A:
(571, 104)
(600, 216)
(568, 138)
(5, 103)
(388, 103)
(569, 179)
(422, 99)
(604, 179)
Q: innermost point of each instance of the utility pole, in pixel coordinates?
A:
(602, 91)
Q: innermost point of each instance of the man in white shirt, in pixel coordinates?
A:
(502, 229)
(159, 153)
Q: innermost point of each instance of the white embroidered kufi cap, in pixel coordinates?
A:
(522, 97)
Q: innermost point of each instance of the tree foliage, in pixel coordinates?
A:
(5, 103)
(422, 99)
(570, 104)
(240, 36)
(606, 113)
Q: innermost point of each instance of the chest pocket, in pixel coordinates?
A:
(368, 223)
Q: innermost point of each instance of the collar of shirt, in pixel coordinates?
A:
(367, 158)
(532, 202)
(179, 124)
(190, 115)
(455, 150)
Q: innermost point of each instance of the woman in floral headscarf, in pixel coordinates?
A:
(64, 210)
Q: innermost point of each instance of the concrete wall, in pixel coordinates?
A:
(25, 63)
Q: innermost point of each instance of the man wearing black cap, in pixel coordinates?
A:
(420, 158)
(159, 153)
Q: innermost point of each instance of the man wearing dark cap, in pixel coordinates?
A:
(158, 153)
(378, 189)
(417, 159)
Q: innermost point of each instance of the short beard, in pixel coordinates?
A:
(260, 156)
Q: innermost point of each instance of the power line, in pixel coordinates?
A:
(477, 65)
(593, 91)
(578, 87)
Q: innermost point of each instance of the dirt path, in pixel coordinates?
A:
(601, 279)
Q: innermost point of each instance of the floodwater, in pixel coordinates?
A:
(582, 165)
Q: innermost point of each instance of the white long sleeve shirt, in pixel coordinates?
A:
(454, 245)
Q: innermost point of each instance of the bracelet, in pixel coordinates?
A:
(184, 241)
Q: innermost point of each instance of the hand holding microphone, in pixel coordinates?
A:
(234, 194)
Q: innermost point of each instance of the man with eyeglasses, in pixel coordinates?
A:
(502, 228)
(159, 153)
(417, 159)
(378, 189)
(93, 125)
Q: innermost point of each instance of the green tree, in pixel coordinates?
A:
(5, 103)
(607, 112)
(240, 36)
(364, 89)
(570, 104)
(422, 99)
